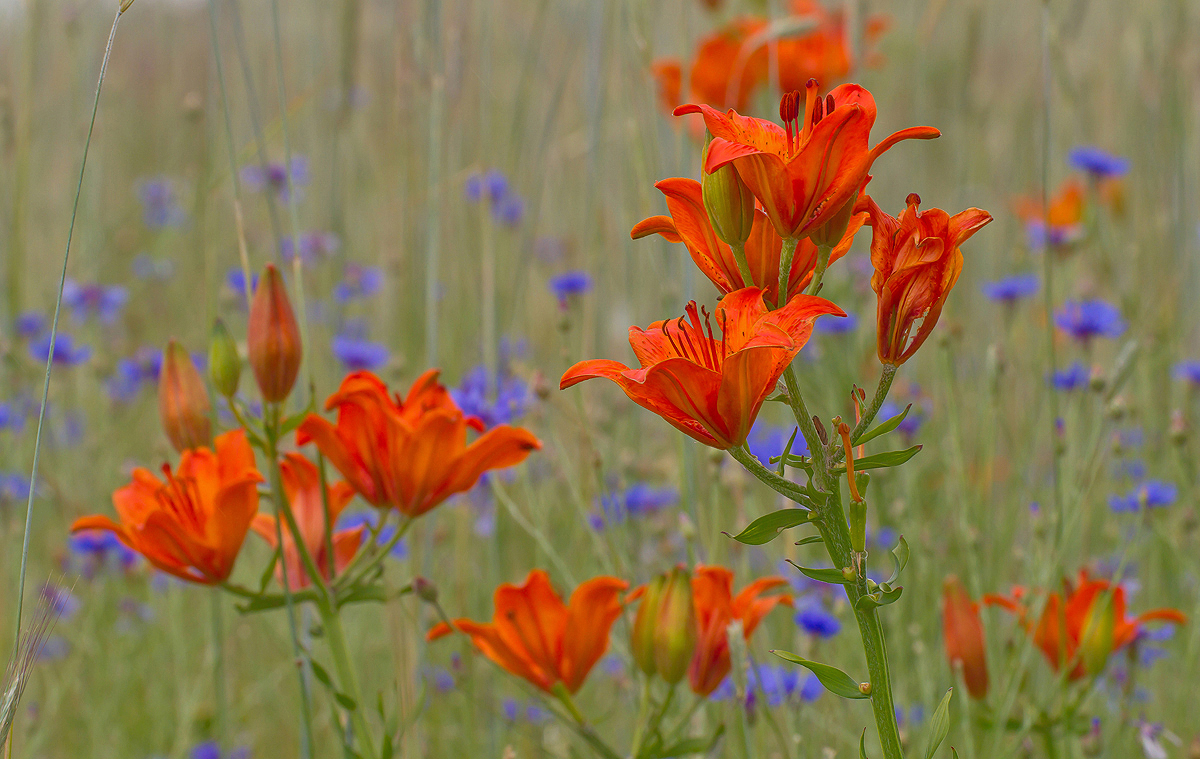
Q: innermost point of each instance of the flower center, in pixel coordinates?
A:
(799, 125)
(180, 497)
(692, 338)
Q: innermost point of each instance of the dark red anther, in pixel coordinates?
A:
(818, 112)
(913, 199)
(829, 104)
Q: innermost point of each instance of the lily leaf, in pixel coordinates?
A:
(883, 460)
(900, 556)
(834, 680)
(830, 575)
(881, 597)
(767, 528)
(810, 539)
(883, 428)
(939, 725)
(862, 745)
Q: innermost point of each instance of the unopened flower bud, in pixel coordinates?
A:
(224, 363)
(425, 590)
(1096, 636)
(729, 203)
(125, 5)
(273, 337)
(183, 400)
(642, 642)
(675, 629)
(829, 234)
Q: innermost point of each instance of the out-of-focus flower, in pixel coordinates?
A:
(1060, 224)
(103, 302)
(767, 441)
(61, 600)
(133, 373)
(212, 750)
(537, 637)
(779, 684)
(358, 282)
(1189, 371)
(235, 280)
(30, 324)
(710, 389)
(1060, 631)
(409, 455)
(66, 352)
(508, 208)
(689, 224)
(962, 632)
(1098, 163)
(1009, 290)
(1151, 493)
(302, 485)
(147, 267)
(1074, 377)
(274, 177)
(356, 353)
(314, 246)
(816, 620)
(808, 173)
(917, 260)
(638, 500)
(183, 406)
(193, 524)
(273, 338)
(1084, 320)
(716, 608)
(160, 203)
(370, 521)
(95, 550)
(570, 285)
(474, 395)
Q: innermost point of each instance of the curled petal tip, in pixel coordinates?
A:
(686, 108)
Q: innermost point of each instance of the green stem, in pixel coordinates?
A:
(823, 253)
(837, 453)
(786, 255)
(643, 718)
(375, 559)
(739, 255)
(37, 443)
(218, 644)
(787, 488)
(336, 639)
(808, 428)
(1048, 743)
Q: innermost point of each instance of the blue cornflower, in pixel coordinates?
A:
(66, 352)
(1097, 162)
(569, 285)
(313, 246)
(496, 184)
(349, 521)
(1152, 493)
(99, 549)
(1060, 234)
(12, 416)
(1074, 377)
(212, 750)
(512, 397)
(14, 487)
(274, 177)
(133, 373)
(356, 354)
(105, 303)
(235, 279)
(358, 282)
(1189, 371)
(816, 620)
(61, 600)
(473, 187)
(160, 204)
(1084, 320)
(1011, 289)
(30, 324)
(441, 679)
(54, 648)
(508, 210)
(837, 326)
(911, 423)
(886, 538)
(767, 441)
(638, 500)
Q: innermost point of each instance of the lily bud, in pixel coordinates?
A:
(1097, 634)
(642, 642)
(829, 234)
(183, 400)
(962, 631)
(729, 203)
(273, 337)
(675, 631)
(224, 363)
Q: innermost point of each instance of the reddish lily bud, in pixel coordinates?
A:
(729, 203)
(273, 337)
(675, 630)
(963, 633)
(183, 400)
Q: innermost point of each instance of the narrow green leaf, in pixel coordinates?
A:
(939, 725)
(786, 452)
(347, 703)
(767, 528)
(883, 428)
(882, 597)
(883, 460)
(862, 745)
(955, 753)
(831, 576)
(268, 572)
(834, 680)
(322, 676)
(900, 556)
(810, 539)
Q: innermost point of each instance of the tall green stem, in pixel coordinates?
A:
(347, 679)
(837, 453)
(739, 255)
(823, 253)
(785, 268)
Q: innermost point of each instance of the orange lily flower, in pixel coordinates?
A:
(411, 454)
(712, 389)
(191, 526)
(1058, 224)
(917, 261)
(302, 485)
(962, 631)
(690, 225)
(716, 608)
(1062, 632)
(806, 173)
(534, 635)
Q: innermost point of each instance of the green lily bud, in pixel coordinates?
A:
(729, 203)
(675, 631)
(642, 642)
(224, 363)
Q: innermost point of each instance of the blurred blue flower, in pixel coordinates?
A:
(911, 423)
(1189, 371)
(1037, 238)
(496, 184)
(12, 416)
(1152, 493)
(511, 402)
(515, 711)
(274, 177)
(816, 620)
(473, 187)
(212, 750)
(313, 246)
(1011, 289)
(14, 487)
(886, 538)
(1097, 162)
(569, 285)
(134, 373)
(235, 279)
(1084, 320)
(371, 519)
(637, 500)
(54, 648)
(767, 441)
(508, 210)
(160, 205)
(148, 267)
(30, 324)
(441, 679)
(358, 282)
(356, 354)
(105, 303)
(60, 600)
(1074, 377)
(779, 683)
(66, 352)
(840, 326)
